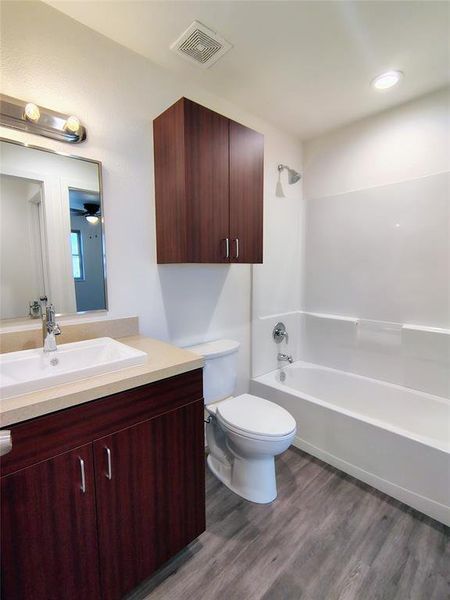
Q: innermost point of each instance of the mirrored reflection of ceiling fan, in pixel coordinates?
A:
(91, 212)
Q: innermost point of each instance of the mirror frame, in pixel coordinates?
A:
(27, 319)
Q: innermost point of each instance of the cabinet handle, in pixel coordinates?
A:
(109, 463)
(227, 245)
(237, 248)
(83, 475)
(5, 441)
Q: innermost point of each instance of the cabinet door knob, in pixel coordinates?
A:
(108, 463)
(83, 476)
(227, 246)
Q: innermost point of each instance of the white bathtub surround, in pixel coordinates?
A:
(377, 246)
(353, 320)
(381, 253)
(413, 357)
(408, 355)
(264, 349)
(391, 437)
(425, 329)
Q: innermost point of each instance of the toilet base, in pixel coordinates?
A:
(252, 479)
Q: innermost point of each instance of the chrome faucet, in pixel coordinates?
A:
(285, 357)
(50, 328)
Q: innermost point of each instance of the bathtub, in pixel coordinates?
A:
(394, 438)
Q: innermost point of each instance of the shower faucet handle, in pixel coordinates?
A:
(280, 333)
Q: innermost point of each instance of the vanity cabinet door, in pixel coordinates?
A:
(246, 194)
(150, 495)
(48, 530)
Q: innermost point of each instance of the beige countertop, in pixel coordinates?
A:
(163, 361)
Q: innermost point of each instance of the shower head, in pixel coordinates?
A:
(293, 176)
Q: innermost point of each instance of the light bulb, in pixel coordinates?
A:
(92, 219)
(32, 112)
(72, 124)
(387, 80)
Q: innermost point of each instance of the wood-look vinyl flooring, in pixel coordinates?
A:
(326, 537)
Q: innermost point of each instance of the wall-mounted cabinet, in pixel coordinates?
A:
(209, 187)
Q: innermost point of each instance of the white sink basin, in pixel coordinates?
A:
(30, 370)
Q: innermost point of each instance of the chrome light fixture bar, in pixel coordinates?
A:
(26, 116)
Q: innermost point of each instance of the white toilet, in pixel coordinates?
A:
(244, 433)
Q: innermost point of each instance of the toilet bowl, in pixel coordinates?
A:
(244, 433)
(244, 436)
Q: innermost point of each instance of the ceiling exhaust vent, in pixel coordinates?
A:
(200, 45)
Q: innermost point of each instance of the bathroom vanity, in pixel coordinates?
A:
(98, 494)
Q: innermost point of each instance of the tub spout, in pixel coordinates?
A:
(285, 357)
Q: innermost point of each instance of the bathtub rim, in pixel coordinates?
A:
(421, 439)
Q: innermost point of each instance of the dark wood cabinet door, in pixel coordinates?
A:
(207, 183)
(48, 530)
(150, 496)
(246, 194)
(180, 443)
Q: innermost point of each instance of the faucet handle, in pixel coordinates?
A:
(56, 329)
(35, 309)
(50, 312)
(280, 333)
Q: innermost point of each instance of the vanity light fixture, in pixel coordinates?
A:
(32, 112)
(72, 124)
(26, 116)
(387, 80)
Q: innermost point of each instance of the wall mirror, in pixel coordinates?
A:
(51, 232)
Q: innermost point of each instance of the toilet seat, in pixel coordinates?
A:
(254, 417)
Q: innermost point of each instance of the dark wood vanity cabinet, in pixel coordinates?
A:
(95, 520)
(151, 503)
(208, 186)
(48, 530)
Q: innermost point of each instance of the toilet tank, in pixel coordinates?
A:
(220, 370)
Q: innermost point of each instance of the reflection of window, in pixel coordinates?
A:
(77, 255)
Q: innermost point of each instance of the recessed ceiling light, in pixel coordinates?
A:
(387, 80)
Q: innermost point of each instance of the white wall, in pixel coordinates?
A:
(276, 283)
(377, 245)
(56, 62)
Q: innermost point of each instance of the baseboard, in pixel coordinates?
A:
(429, 507)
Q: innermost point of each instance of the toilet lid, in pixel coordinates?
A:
(256, 416)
